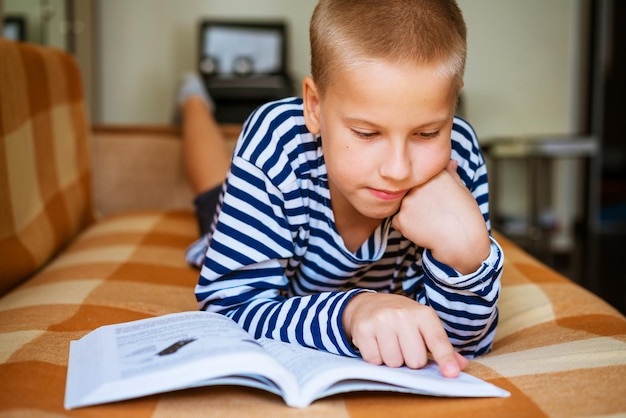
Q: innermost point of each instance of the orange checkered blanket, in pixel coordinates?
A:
(560, 351)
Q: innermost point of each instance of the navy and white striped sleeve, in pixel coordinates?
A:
(467, 304)
(243, 275)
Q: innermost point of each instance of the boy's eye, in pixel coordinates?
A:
(364, 134)
(428, 135)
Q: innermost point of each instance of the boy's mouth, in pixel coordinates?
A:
(388, 195)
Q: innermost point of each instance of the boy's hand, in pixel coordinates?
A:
(443, 216)
(396, 330)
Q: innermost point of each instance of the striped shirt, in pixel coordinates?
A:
(277, 265)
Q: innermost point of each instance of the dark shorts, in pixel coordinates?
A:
(206, 206)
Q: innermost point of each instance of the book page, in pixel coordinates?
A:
(159, 354)
(172, 340)
(323, 374)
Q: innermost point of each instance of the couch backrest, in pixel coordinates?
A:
(45, 192)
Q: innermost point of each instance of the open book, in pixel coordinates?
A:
(191, 349)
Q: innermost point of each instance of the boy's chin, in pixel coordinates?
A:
(380, 213)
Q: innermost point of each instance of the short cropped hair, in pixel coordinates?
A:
(344, 32)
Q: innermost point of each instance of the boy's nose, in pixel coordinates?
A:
(396, 164)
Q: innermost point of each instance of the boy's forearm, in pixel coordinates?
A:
(466, 251)
(313, 321)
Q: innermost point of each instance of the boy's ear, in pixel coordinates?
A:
(311, 99)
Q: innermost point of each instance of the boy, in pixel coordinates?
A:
(354, 220)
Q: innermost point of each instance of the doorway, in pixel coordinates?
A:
(605, 114)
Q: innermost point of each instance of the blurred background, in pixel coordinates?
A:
(544, 90)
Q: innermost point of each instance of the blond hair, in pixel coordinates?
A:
(344, 32)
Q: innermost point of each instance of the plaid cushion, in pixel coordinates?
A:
(44, 160)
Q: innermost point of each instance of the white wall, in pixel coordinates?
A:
(145, 45)
(521, 73)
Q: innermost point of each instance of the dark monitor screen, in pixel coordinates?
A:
(242, 48)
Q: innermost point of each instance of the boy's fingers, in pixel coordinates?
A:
(368, 348)
(442, 351)
(390, 350)
(448, 364)
(413, 351)
(452, 165)
(451, 168)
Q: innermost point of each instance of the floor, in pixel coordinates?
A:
(597, 262)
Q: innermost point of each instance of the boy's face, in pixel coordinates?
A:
(385, 129)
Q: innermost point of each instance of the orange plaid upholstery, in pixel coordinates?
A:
(44, 160)
(559, 350)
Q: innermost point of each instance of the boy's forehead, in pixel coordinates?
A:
(354, 66)
(378, 93)
(362, 72)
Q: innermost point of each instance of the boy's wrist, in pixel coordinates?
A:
(445, 274)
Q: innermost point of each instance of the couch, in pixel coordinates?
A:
(94, 222)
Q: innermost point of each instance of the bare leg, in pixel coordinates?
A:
(204, 151)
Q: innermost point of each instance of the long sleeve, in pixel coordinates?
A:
(262, 265)
(244, 273)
